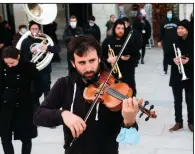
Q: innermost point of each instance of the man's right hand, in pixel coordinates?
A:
(74, 123)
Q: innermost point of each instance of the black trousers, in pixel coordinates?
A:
(8, 146)
(143, 51)
(165, 63)
(189, 98)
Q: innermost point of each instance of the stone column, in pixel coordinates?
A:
(102, 14)
(185, 11)
(19, 16)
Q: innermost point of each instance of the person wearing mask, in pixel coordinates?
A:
(99, 133)
(130, 56)
(142, 25)
(167, 35)
(109, 25)
(93, 29)
(22, 29)
(18, 102)
(44, 81)
(185, 43)
(73, 30)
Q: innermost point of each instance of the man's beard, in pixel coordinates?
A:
(90, 76)
(120, 35)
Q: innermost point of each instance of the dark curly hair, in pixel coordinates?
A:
(81, 45)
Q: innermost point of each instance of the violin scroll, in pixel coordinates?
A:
(151, 114)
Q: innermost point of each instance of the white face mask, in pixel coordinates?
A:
(73, 24)
(90, 24)
(23, 30)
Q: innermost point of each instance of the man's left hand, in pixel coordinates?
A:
(126, 57)
(129, 110)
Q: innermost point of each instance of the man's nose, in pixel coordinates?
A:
(88, 67)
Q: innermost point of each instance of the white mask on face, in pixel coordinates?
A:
(91, 24)
(73, 24)
(23, 30)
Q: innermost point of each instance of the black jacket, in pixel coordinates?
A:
(143, 27)
(132, 49)
(100, 135)
(93, 30)
(17, 101)
(187, 49)
(168, 34)
(69, 33)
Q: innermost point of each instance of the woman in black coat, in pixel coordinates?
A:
(142, 25)
(17, 101)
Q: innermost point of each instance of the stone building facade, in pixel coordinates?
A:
(100, 11)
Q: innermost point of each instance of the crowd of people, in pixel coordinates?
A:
(22, 85)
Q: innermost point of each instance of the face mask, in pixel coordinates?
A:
(90, 24)
(23, 30)
(73, 24)
(169, 16)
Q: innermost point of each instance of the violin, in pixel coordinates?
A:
(113, 94)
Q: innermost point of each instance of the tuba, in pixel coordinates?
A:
(41, 14)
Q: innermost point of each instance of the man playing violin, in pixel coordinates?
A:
(98, 134)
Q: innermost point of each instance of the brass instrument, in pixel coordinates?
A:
(180, 65)
(40, 13)
(116, 67)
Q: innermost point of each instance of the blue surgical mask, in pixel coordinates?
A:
(23, 30)
(169, 16)
(90, 24)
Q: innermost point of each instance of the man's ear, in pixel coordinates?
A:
(72, 63)
(99, 60)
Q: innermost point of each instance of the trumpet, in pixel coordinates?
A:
(116, 67)
(180, 65)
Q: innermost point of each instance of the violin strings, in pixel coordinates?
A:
(116, 94)
(120, 96)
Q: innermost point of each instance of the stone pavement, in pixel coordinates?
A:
(155, 137)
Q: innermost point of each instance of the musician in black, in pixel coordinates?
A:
(131, 55)
(17, 101)
(98, 134)
(71, 31)
(167, 35)
(186, 44)
(43, 84)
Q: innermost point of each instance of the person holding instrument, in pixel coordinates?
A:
(131, 55)
(98, 134)
(179, 81)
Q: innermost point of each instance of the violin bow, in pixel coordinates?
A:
(104, 84)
